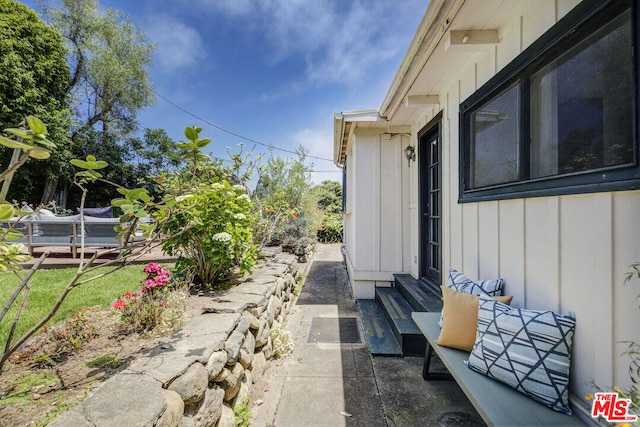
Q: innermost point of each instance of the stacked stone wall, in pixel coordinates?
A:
(200, 374)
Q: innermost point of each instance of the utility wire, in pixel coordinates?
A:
(270, 146)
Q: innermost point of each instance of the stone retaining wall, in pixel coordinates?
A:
(199, 375)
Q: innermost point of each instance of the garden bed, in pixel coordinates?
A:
(33, 395)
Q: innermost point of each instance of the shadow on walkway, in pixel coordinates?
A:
(330, 378)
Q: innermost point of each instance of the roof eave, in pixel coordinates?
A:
(342, 126)
(433, 26)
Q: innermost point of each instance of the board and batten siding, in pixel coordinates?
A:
(562, 253)
(378, 204)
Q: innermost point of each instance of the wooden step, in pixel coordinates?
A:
(398, 313)
(378, 333)
(419, 296)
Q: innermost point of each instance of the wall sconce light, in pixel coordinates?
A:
(410, 154)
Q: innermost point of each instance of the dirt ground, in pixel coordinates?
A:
(57, 389)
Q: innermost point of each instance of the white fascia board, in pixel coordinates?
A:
(361, 116)
(339, 137)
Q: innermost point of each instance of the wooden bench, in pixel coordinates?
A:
(497, 403)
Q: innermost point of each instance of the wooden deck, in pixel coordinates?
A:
(61, 257)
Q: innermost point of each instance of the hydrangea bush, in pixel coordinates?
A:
(209, 219)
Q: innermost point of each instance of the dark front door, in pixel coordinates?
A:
(429, 162)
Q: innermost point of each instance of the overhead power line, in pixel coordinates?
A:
(270, 146)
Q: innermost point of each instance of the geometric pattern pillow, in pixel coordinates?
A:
(529, 350)
(461, 283)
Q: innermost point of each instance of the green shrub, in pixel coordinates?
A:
(286, 209)
(331, 229)
(212, 228)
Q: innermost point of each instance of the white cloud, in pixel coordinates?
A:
(338, 40)
(178, 46)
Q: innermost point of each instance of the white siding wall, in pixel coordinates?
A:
(565, 253)
(378, 194)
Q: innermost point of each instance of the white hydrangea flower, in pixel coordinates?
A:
(245, 197)
(217, 186)
(239, 187)
(183, 197)
(239, 216)
(221, 237)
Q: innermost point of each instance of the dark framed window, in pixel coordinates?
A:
(562, 117)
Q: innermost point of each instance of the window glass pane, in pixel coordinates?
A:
(581, 105)
(494, 140)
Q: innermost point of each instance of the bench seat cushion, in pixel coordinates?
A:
(529, 350)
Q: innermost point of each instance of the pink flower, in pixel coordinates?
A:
(130, 295)
(119, 304)
(153, 268)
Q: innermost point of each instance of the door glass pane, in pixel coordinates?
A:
(494, 140)
(581, 104)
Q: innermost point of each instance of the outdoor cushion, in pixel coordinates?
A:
(98, 212)
(460, 318)
(45, 214)
(529, 350)
(459, 282)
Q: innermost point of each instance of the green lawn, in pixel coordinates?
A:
(47, 285)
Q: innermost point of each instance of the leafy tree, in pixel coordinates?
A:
(329, 195)
(103, 146)
(286, 208)
(139, 162)
(34, 76)
(285, 179)
(108, 58)
(155, 153)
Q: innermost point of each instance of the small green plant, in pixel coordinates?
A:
(282, 342)
(21, 388)
(57, 341)
(105, 361)
(243, 414)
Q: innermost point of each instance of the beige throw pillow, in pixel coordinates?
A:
(460, 318)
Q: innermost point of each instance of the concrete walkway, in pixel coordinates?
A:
(330, 379)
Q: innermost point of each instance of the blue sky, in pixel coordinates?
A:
(274, 71)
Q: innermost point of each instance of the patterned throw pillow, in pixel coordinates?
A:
(529, 350)
(460, 318)
(459, 282)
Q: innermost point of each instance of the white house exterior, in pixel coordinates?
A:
(498, 187)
